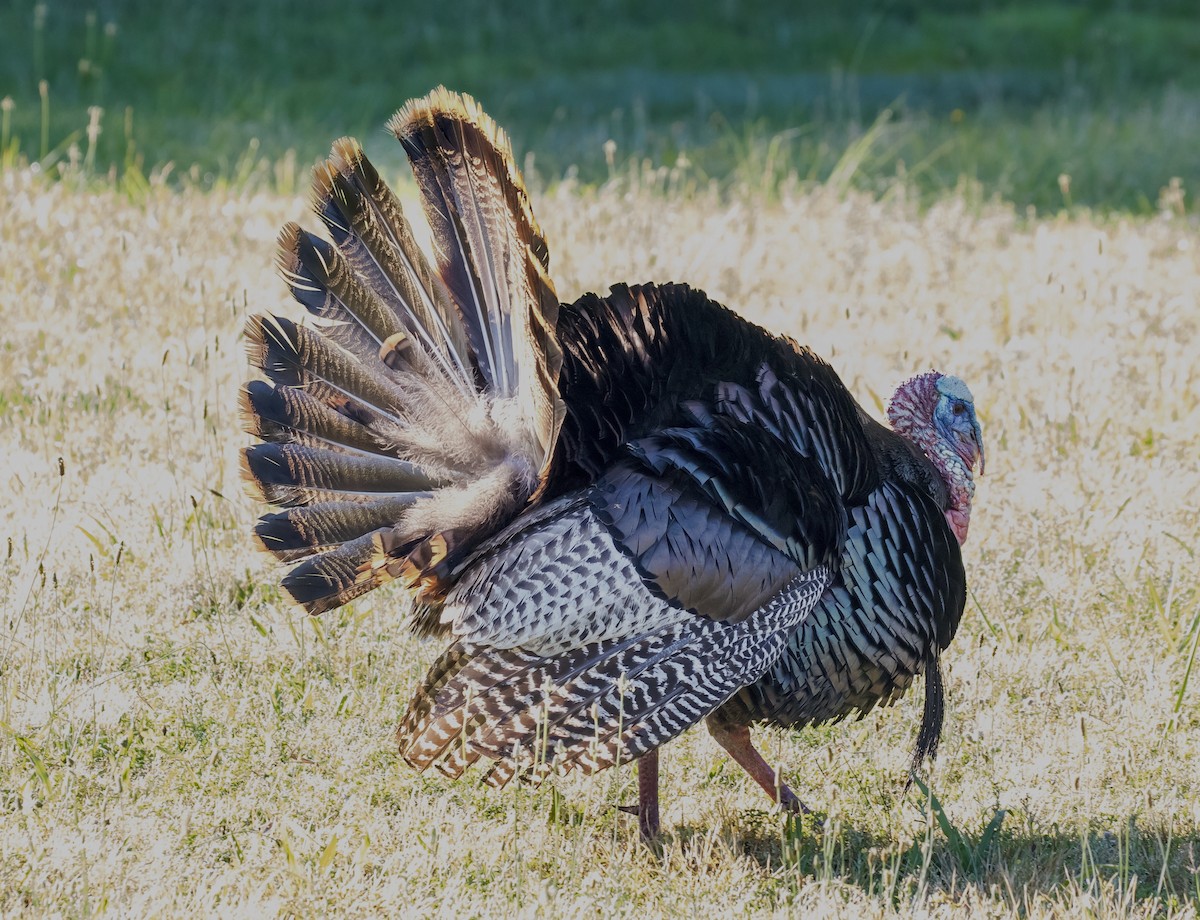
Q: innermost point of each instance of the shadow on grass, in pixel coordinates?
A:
(1015, 860)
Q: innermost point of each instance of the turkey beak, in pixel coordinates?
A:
(978, 432)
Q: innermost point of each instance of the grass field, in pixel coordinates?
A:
(1010, 95)
(1003, 193)
(175, 741)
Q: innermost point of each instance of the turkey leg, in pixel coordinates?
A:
(647, 807)
(648, 796)
(736, 741)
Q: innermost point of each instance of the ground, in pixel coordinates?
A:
(175, 740)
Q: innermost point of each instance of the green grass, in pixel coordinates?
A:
(1011, 97)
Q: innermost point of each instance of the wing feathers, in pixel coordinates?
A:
(600, 703)
(718, 517)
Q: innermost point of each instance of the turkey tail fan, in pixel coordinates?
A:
(491, 253)
(416, 414)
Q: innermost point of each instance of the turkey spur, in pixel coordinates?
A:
(622, 516)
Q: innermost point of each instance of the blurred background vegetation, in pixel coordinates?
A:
(994, 98)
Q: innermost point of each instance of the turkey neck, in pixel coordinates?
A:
(911, 415)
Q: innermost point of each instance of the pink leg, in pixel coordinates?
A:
(736, 741)
(647, 807)
(648, 796)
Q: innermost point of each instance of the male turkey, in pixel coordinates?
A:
(619, 511)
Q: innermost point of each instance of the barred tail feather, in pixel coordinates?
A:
(492, 255)
(334, 578)
(323, 283)
(396, 438)
(292, 415)
(289, 474)
(368, 225)
(300, 532)
(303, 358)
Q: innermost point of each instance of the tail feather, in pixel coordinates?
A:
(491, 252)
(368, 225)
(282, 474)
(300, 357)
(291, 415)
(418, 415)
(299, 532)
(324, 284)
(336, 577)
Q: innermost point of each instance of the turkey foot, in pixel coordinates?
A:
(735, 739)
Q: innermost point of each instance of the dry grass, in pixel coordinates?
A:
(174, 741)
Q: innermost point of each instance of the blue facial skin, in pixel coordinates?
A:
(954, 416)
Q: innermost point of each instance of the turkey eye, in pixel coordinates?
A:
(959, 409)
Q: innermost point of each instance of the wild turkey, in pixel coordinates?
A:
(619, 510)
